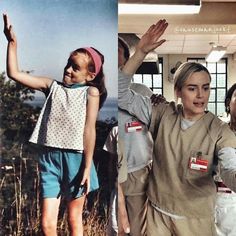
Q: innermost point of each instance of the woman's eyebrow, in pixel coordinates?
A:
(195, 85)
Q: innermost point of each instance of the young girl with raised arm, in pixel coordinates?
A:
(187, 138)
(65, 130)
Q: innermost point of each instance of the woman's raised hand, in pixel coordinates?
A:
(150, 40)
(8, 31)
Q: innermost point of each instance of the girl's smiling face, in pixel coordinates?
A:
(195, 95)
(76, 70)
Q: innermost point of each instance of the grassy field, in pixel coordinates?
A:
(20, 196)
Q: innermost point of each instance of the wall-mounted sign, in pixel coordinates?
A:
(205, 29)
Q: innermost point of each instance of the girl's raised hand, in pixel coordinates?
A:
(149, 40)
(8, 31)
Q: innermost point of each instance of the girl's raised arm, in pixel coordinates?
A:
(148, 42)
(38, 83)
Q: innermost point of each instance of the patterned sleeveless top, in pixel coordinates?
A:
(62, 118)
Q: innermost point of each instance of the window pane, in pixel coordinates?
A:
(157, 80)
(213, 81)
(211, 107)
(146, 77)
(220, 95)
(147, 80)
(220, 109)
(221, 80)
(221, 67)
(138, 78)
(157, 91)
(212, 95)
(211, 67)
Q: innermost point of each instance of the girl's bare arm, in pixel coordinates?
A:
(90, 132)
(13, 72)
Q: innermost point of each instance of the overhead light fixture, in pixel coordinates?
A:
(216, 53)
(159, 7)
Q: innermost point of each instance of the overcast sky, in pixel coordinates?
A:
(48, 30)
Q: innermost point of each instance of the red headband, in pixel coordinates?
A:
(96, 59)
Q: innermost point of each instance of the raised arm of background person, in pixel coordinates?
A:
(90, 133)
(147, 43)
(13, 72)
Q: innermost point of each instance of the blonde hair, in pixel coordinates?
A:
(184, 71)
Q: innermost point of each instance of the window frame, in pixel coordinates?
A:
(149, 68)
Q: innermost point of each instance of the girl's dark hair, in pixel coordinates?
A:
(125, 46)
(228, 97)
(99, 80)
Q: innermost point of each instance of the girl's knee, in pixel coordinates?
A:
(49, 227)
(76, 226)
(75, 221)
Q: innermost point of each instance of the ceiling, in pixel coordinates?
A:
(190, 34)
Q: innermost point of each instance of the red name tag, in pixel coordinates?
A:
(222, 188)
(198, 164)
(133, 126)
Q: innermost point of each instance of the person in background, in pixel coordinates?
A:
(138, 149)
(65, 131)
(225, 209)
(187, 139)
(111, 147)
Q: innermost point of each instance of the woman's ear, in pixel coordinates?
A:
(91, 76)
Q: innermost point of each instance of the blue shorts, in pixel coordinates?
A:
(61, 173)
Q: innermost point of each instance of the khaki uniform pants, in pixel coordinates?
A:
(122, 163)
(159, 224)
(136, 200)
